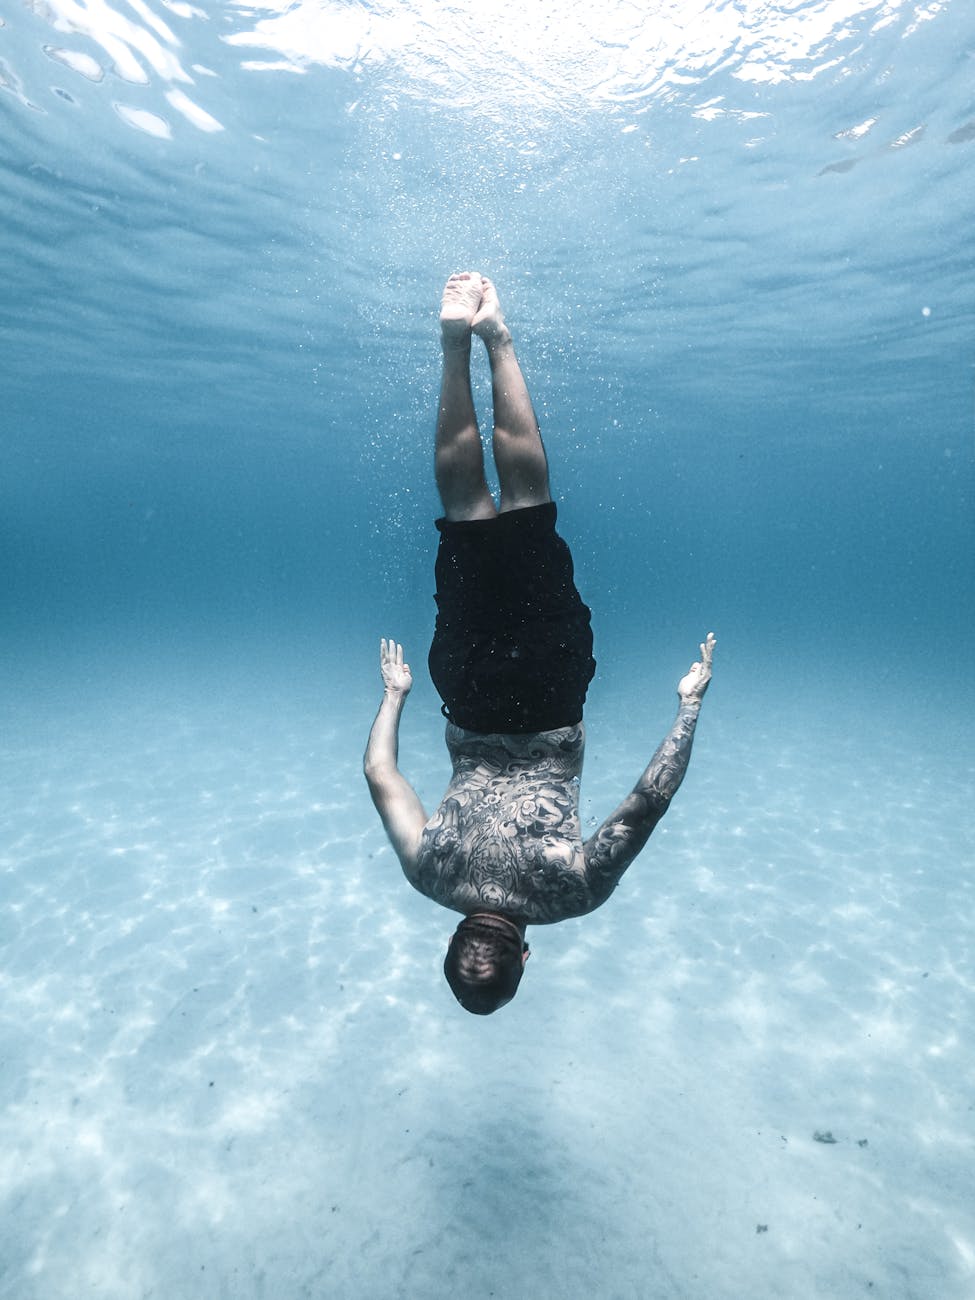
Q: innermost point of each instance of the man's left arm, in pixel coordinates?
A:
(611, 849)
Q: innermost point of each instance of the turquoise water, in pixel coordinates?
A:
(733, 242)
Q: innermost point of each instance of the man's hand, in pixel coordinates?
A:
(692, 687)
(397, 678)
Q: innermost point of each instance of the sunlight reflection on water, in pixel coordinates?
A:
(497, 60)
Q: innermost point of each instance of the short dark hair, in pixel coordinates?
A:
(484, 965)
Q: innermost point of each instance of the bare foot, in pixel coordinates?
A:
(458, 307)
(488, 323)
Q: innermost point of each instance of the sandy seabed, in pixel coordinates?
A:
(229, 1065)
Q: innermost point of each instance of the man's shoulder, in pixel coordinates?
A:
(438, 870)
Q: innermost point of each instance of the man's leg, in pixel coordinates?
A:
(458, 456)
(518, 452)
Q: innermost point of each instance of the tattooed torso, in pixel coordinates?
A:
(506, 835)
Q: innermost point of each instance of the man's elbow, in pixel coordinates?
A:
(377, 773)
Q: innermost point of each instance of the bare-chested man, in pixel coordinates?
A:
(512, 660)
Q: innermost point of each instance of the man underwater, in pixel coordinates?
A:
(512, 660)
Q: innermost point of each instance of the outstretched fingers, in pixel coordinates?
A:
(695, 683)
(390, 652)
(396, 672)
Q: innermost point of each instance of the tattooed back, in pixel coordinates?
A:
(506, 836)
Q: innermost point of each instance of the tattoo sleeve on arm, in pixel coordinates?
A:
(624, 833)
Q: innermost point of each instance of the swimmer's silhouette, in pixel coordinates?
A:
(512, 661)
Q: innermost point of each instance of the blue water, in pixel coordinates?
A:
(734, 245)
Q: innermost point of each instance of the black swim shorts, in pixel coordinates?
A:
(512, 650)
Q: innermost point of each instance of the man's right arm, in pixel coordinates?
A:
(396, 801)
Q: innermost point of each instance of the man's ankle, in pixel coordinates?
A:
(454, 347)
(499, 341)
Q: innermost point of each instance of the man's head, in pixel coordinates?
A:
(485, 961)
